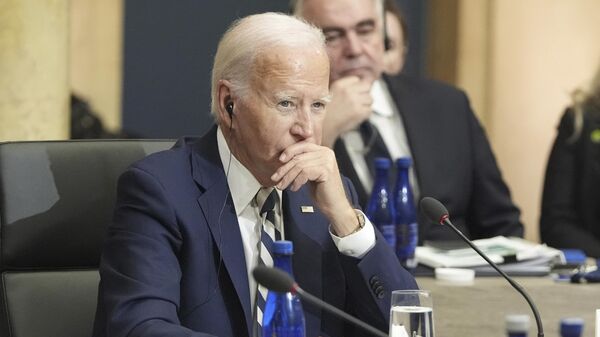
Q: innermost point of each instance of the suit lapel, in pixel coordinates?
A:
(300, 228)
(207, 171)
(347, 169)
(414, 120)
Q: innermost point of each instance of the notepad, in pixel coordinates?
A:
(511, 252)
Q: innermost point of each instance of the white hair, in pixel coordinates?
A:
(250, 36)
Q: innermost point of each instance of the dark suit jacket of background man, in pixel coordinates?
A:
(453, 161)
(167, 232)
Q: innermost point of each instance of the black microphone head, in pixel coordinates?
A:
(433, 210)
(273, 279)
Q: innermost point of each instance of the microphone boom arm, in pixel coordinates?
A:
(337, 312)
(513, 283)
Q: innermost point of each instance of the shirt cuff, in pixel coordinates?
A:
(357, 244)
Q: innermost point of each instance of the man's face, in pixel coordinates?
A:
(394, 57)
(354, 36)
(284, 105)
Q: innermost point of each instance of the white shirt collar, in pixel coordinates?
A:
(382, 100)
(242, 184)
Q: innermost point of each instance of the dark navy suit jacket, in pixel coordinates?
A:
(173, 265)
(453, 161)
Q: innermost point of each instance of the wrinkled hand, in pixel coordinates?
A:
(350, 105)
(306, 162)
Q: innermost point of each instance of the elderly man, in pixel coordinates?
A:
(189, 221)
(372, 116)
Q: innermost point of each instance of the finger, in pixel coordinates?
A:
(301, 174)
(300, 180)
(288, 172)
(345, 81)
(363, 87)
(296, 149)
(306, 167)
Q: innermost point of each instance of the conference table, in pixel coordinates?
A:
(479, 309)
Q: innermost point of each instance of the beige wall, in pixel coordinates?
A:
(519, 60)
(96, 39)
(33, 70)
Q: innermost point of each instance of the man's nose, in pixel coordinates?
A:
(303, 127)
(353, 44)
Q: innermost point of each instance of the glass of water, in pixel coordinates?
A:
(411, 314)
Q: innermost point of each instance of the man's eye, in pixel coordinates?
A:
(318, 105)
(332, 37)
(285, 104)
(366, 30)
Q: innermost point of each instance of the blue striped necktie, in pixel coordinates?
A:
(267, 199)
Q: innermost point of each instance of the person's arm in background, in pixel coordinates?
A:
(492, 211)
(560, 221)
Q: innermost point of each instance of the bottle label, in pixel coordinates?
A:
(389, 234)
(406, 242)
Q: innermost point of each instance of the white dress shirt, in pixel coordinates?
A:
(243, 188)
(386, 119)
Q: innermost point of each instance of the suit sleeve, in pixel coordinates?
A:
(492, 211)
(379, 267)
(561, 224)
(139, 269)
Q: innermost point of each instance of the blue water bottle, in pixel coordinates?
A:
(407, 230)
(571, 327)
(380, 209)
(283, 316)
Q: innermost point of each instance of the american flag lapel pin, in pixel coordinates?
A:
(307, 209)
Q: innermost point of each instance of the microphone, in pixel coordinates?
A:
(279, 281)
(436, 212)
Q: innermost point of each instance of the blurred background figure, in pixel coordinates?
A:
(374, 115)
(396, 38)
(85, 123)
(571, 200)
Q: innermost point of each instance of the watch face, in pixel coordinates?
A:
(361, 219)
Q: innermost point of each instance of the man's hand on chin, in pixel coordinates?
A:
(306, 162)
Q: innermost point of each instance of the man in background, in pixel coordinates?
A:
(371, 116)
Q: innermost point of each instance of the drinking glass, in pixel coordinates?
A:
(411, 314)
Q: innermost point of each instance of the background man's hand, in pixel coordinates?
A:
(350, 105)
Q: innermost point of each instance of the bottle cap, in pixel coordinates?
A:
(283, 247)
(381, 162)
(403, 162)
(517, 323)
(572, 326)
(458, 276)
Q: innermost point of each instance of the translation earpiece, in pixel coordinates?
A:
(229, 109)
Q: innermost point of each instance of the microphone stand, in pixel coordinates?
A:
(336, 312)
(513, 283)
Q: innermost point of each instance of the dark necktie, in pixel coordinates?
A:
(267, 199)
(373, 145)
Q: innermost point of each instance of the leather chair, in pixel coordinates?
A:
(56, 200)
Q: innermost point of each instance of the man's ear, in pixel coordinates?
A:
(225, 106)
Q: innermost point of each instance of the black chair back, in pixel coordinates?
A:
(56, 200)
